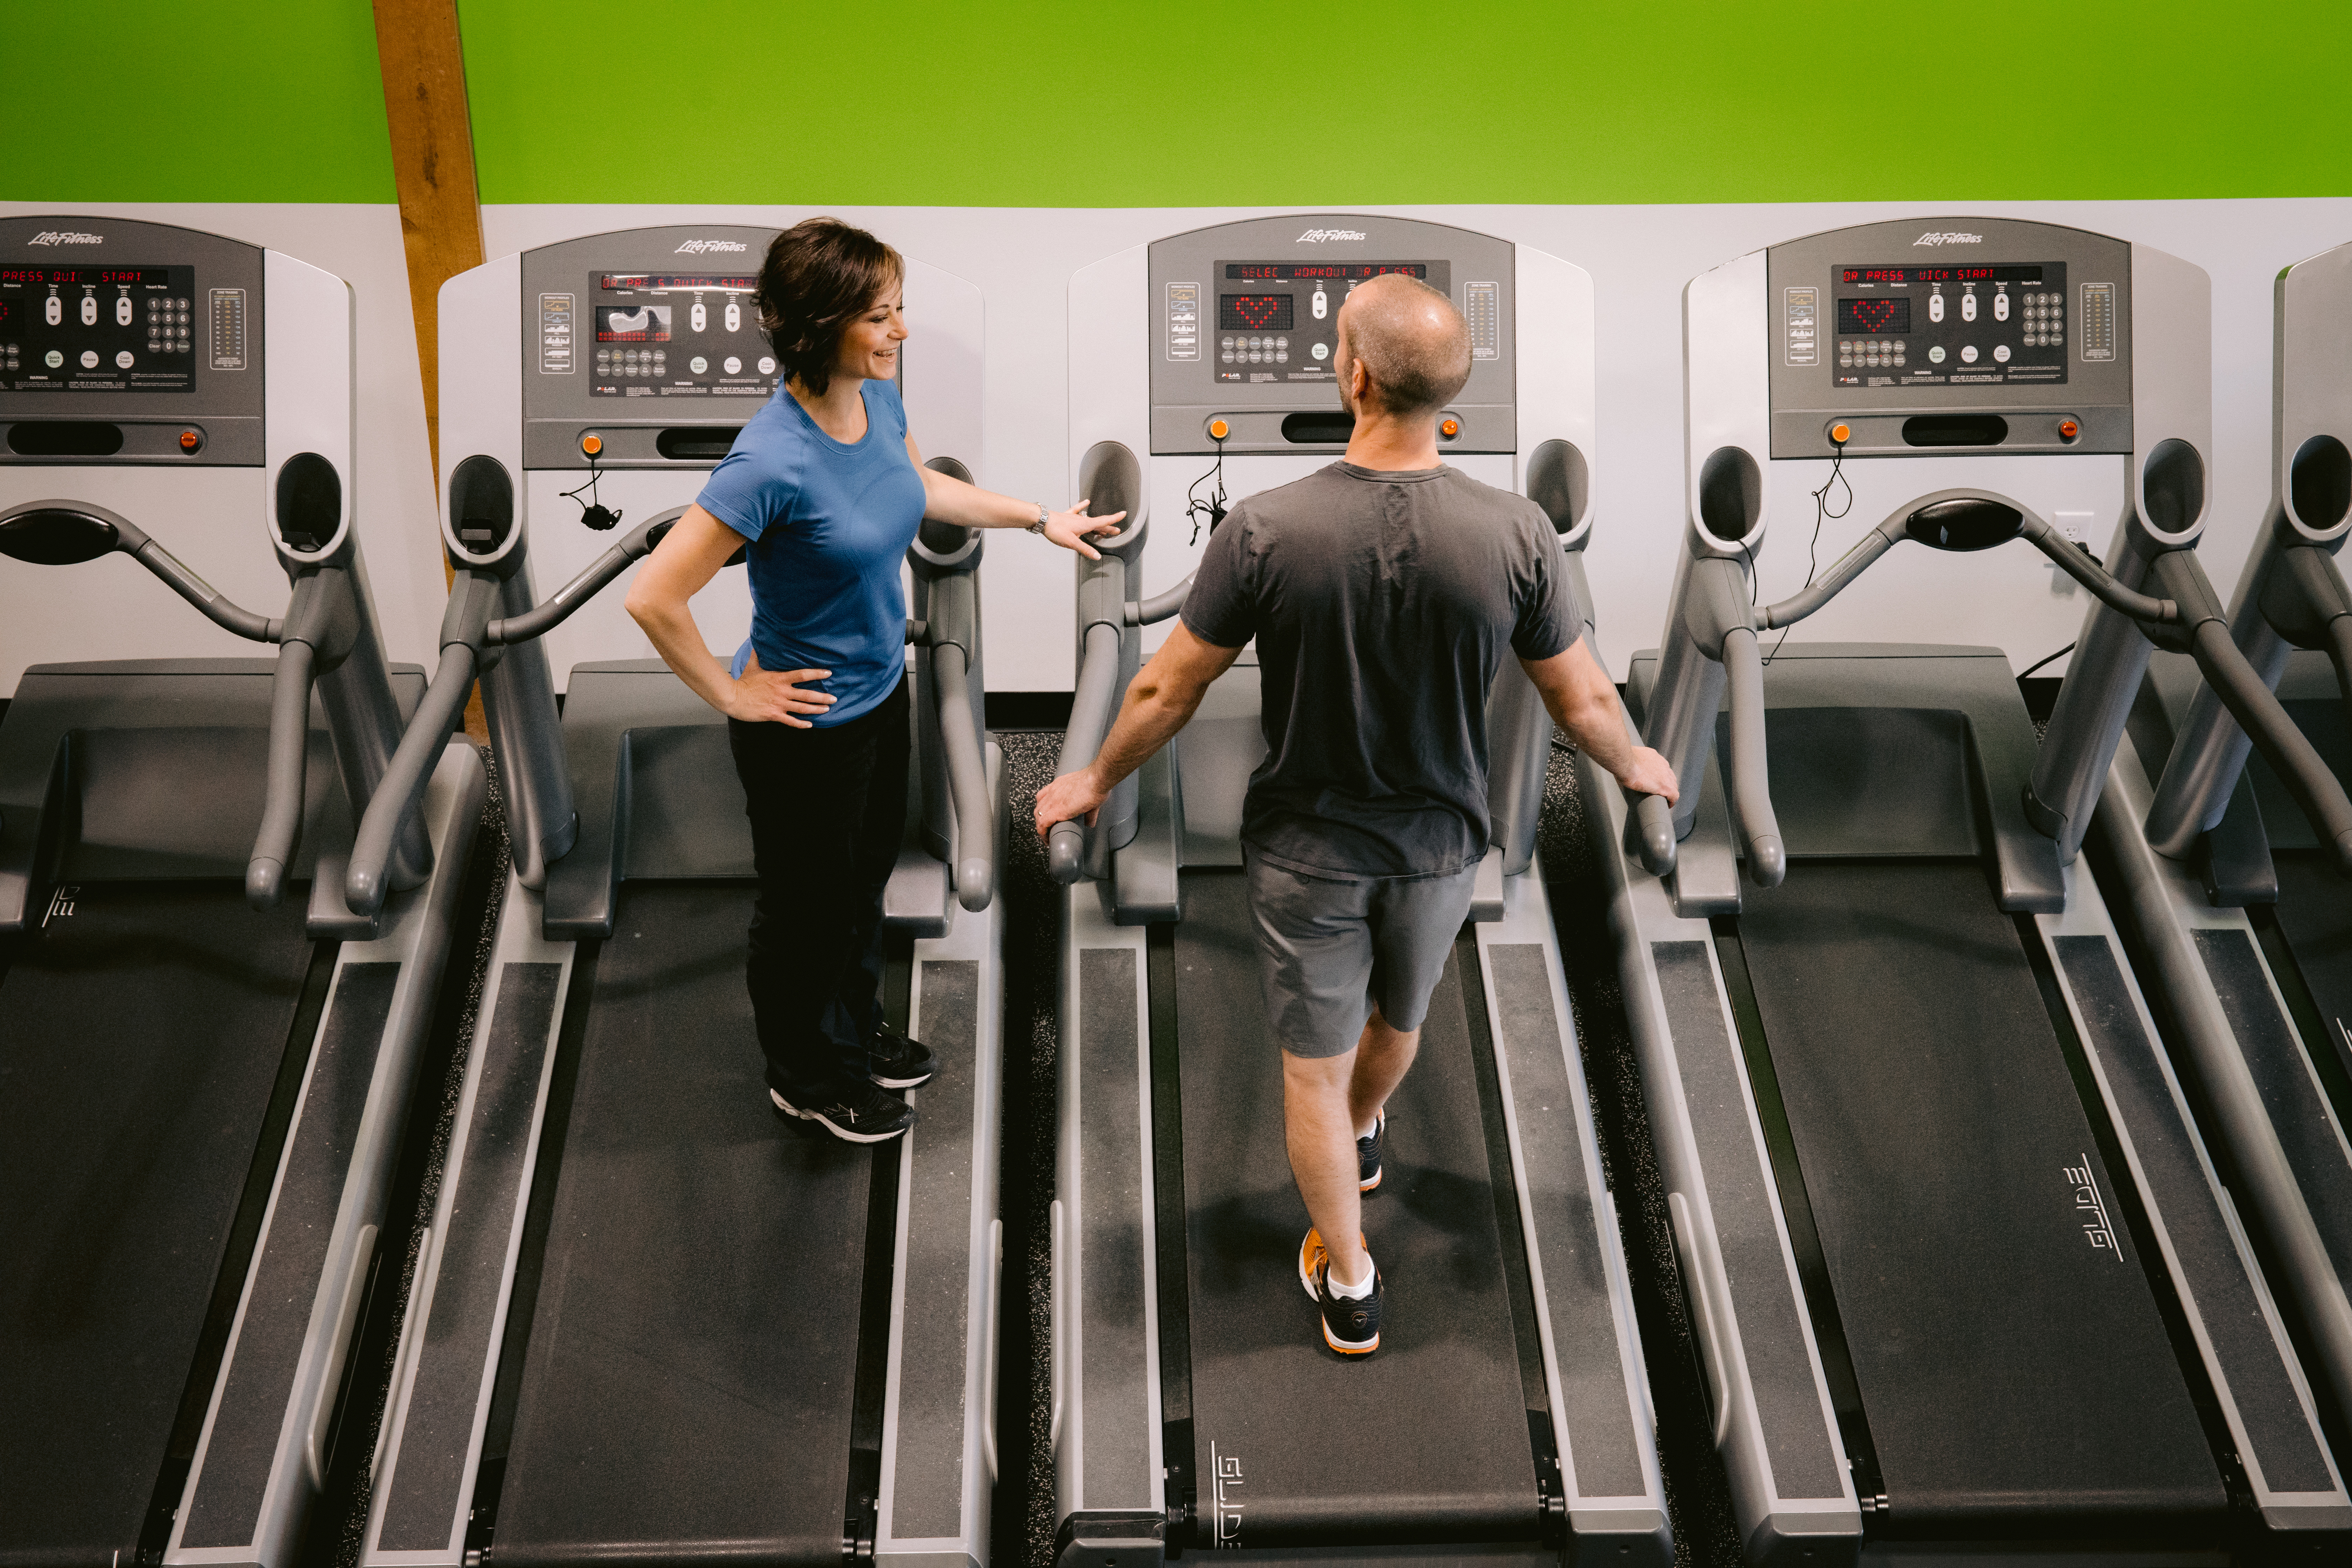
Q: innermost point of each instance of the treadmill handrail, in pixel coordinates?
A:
(557, 607)
(975, 868)
(1159, 607)
(1751, 786)
(1090, 714)
(81, 532)
(365, 882)
(2256, 708)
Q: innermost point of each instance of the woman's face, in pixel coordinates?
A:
(870, 347)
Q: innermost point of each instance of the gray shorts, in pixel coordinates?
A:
(1331, 949)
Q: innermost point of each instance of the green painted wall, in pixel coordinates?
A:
(1052, 103)
(219, 100)
(1103, 103)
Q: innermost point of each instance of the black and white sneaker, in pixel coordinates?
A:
(853, 1112)
(1351, 1325)
(895, 1059)
(1367, 1155)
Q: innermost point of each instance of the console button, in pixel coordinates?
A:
(2000, 307)
(122, 311)
(697, 318)
(1967, 307)
(1935, 306)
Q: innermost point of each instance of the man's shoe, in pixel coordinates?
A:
(894, 1059)
(1367, 1155)
(853, 1112)
(1351, 1325)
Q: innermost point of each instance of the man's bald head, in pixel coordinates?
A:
(1413, 343)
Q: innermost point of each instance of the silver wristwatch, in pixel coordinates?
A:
(1038, 527)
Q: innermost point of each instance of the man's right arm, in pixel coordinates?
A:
(1582, 702)
(1160, 700)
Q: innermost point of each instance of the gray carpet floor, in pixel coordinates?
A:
(1695, 1489)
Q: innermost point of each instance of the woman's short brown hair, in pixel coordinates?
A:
(819, 275)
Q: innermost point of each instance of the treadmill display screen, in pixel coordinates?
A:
(1343, 272)
(1253, 312)
(1909, 324)
(130, 328)
(669, 334)
(1874, 315)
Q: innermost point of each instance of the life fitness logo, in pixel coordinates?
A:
(1932, 237)
(64, 237)
(698, 247)
(1317, 235)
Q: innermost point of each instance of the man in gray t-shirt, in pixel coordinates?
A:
(1383, 592)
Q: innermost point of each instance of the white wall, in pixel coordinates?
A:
(213, 518)
(1021, 259)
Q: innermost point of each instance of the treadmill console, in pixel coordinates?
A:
(128, 341)
(1244, 317)
(1927, 338)
(647, 338)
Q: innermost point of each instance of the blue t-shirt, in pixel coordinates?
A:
(829, 523)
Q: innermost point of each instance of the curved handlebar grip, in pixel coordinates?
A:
(1159, 607)
(365, 882)
(2289, 752)
(1751, 789)
(975, 868)
(289, 756)
(1653, 831)
(1065, 852)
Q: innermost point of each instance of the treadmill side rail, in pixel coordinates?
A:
(938, 1466)
(1105, 1433)
(430, 1447)
(260, 1459)
(2239, 1338)
(1604, 1427)
(2228, 1030)
(1776, 1426)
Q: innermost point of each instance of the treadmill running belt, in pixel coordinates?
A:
(2315, 911)
(142, 1030)
(686, 1388)
(2014, 1374)
(1428, 1437)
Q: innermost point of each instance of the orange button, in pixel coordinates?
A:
(1219, 429)
(2068, 429)
(1841, 434)
(190, 440)
(591, 444)
(1449, 427)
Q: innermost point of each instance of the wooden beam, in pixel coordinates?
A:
(424, 68)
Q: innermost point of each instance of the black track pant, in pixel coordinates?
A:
(827, 807)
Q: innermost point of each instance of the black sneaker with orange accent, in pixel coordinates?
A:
(1351, 1325)
(1368, 1154)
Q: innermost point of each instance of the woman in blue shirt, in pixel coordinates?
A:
(824, 490)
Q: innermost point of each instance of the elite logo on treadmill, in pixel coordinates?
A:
(61, 905)
(2096, 1229)
(1948, 238)
(64, 237)
(1226, 1503)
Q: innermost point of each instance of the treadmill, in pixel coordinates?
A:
(205, 1057)
(650, 1324)
(1961, 1277)
(1191, 1393)
(2230, 869)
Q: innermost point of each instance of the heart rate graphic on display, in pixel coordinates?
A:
(1873, 316)
(644, 324)
(1253, 312)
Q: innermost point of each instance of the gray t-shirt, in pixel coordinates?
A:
(1382, 605)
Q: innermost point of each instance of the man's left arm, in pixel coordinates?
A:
(1160, 700)
(1582, 702)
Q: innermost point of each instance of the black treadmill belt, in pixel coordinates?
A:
(686, 1389)
(2315, 913)
(1277, 1416)
(2013, 1370)
(142, 1030)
